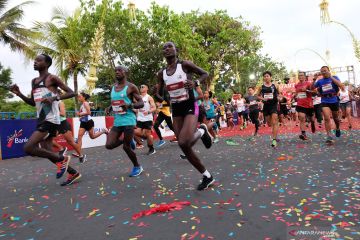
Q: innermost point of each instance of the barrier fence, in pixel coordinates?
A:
(15, 133)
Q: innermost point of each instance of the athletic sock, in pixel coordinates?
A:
(206, 174)
(202, 131)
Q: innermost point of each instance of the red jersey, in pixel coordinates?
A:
(304, 98)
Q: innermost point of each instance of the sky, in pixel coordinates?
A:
(291, 30)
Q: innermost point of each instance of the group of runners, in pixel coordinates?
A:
(178, 99)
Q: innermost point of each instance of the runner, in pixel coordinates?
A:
(283, 112)
(304, 106)
(86, 123)
(229, 115)
(209, 105)
(122, 94)
(252, 102)
(145, 119)
(177, 78)
(65, 130)
(163, 115)
(239, 102)
(328, 87)
(317, 104)
(46, 100)
(269, 95)
(345, 105)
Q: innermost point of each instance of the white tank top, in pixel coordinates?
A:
(175, 85)
(45, 112)
(344, 96)
(86, 117)
(143, 114)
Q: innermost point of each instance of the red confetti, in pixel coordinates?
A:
(161, 208)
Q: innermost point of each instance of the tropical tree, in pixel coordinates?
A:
(12, 33)
(66, 41)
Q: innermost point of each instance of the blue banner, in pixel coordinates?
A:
(14, 134)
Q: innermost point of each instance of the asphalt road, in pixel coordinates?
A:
(260, 192)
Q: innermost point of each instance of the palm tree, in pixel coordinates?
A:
(12, 33)
(63, 39)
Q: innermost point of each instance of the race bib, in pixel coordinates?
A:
(37, 93)
(317, 100)
(301, 95)
(117, 106)
(327, 87)
(177, 92)
(268, 96)
(253, 102)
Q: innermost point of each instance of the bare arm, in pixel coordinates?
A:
(160, 86)
(192, 68)
(29, 100)
(152, 105)
(200, 93)
(136, 94)
(69, 93)
(338, 83)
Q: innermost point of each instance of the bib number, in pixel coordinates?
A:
(177, 92)
(253, 103)
(301, 95)
(268, 96)
(117, 106)
(327, 87)
(37, 93)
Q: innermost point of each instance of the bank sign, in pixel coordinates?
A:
(14, 134)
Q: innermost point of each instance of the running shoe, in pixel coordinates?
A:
(183, 156)
(313, 129)
(206, 138)
(337, 133)
(160, 143)
(274, 143)
(303, 137)
(174, 140)
(83, 158)
(139, 146)
(63, 152)
(136, 171)
(71, 179)
(62, 166)
(105, 130)
(206, 182)
(216, 140)
(151, 151)
(329, 140)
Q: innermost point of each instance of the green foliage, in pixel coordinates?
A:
(5, 82)
(13, 34)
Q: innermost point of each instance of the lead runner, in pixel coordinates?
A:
(177, 77)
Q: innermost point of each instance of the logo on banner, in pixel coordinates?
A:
(14, 138)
